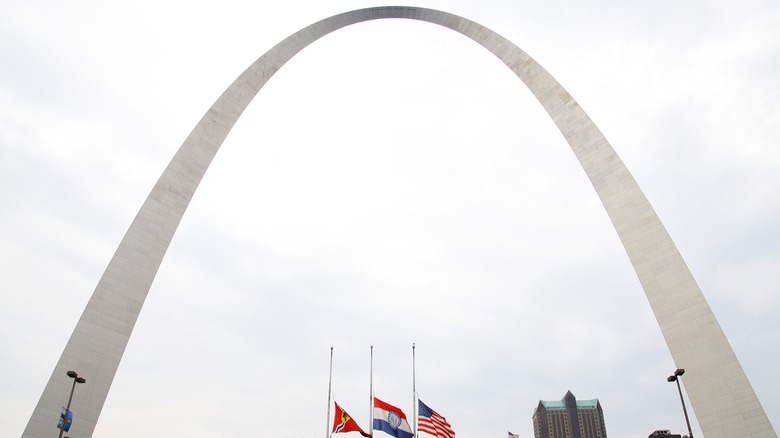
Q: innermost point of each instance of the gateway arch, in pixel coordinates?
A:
(719, 391)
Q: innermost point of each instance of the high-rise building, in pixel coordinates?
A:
(569, 418)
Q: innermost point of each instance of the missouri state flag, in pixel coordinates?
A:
(344, 423)
(391, 420)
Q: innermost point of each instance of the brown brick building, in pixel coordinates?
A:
(569, 418)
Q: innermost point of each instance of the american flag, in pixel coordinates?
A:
(513, 435)
(429, 421)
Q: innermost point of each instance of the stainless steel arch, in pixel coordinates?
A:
(721, 395)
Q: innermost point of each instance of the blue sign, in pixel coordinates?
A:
(66, 419)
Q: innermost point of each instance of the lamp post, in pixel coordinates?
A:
(76, 379)
(676, 378)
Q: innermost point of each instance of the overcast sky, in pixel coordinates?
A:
(393, 184)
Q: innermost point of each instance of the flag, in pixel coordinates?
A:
(390, 419)
(513, 435)
(429, 421)
(344, 423)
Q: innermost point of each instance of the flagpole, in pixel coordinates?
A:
(371, 395)
(414, 393)
(330, 381)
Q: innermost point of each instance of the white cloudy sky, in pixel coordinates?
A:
(394, 183)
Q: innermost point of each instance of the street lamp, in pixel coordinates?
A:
(676, 378)
(76, 379)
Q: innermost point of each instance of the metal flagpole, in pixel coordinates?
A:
(330, 381)
(414, 393)
(371, 395)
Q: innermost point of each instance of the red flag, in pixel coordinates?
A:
(344, 423)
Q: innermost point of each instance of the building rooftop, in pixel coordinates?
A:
(560, 404)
